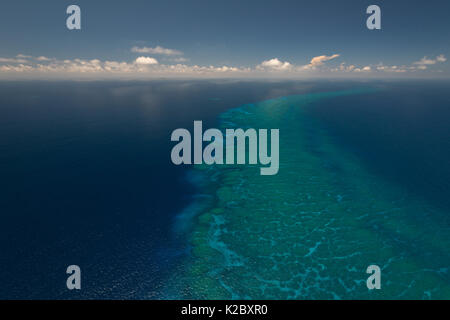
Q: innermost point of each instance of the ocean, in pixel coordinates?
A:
(86, 179)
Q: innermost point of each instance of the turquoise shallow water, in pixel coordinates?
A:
(311, 231)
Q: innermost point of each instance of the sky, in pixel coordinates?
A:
(234, 38)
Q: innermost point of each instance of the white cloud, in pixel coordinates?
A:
(157, 50)
(180, 59)
(274, 64)
(318, 61)
(422, 64)
(359, 69)
(441, 58)
(146, 67)
(146, 60)
(142, 67)
(13, 60)
(16, 68)
(42, 58)
(426, 61)
(396, 69)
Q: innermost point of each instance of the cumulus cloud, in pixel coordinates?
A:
(175, 66)
(318, 61)
(424, 62)
(358, 69)
(16, 68)
(13, 60)
(146, 60)
(142, 67)
(180, 59)
(441, 58)
(420, 65)
(22, 58)
(42, 58)
(394, 68)
(344, 68)
(157, 50)
(274, 64)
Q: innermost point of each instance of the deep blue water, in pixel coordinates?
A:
(86, 179)
(86, 176)
(402, 133)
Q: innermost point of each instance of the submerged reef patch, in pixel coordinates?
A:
(310, 231)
